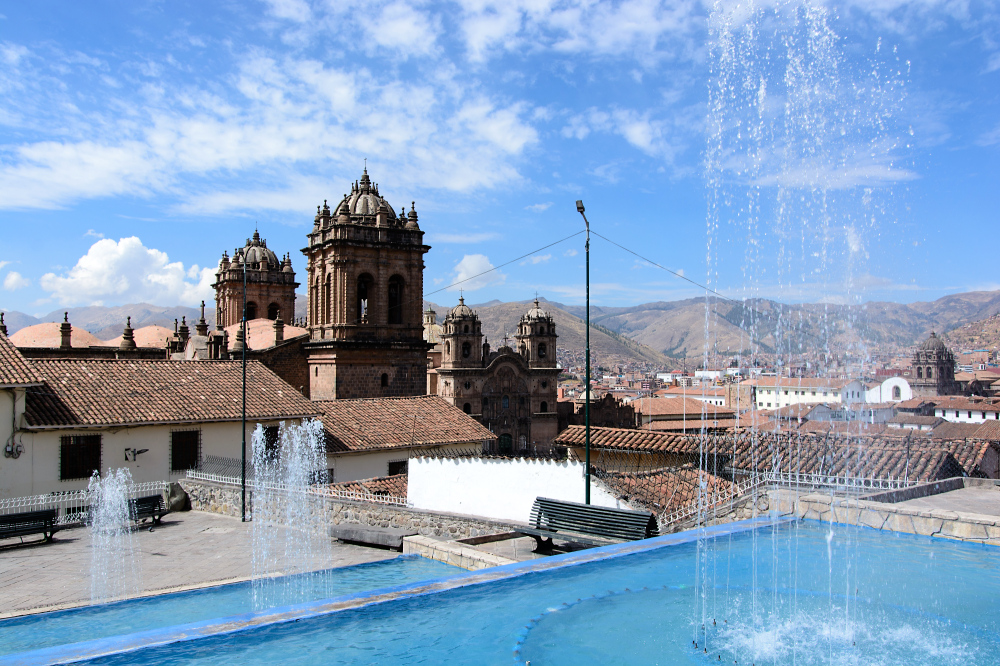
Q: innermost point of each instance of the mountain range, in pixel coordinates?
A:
(658, 333)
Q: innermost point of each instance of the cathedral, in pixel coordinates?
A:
(510, 391)
(933, 369)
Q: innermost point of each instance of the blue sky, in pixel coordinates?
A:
(138, 140)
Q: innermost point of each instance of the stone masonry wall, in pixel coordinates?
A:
(225, 499)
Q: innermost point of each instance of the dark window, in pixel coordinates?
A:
(251, 311)
(930, 373)
(385, 379)
(896, 393)
(506, 444)
(466, 350)
(395, 300)
(272, 311)
(447, 348)
(545, 406)
(364, 303)
(468, 385)
(271, 441)
(467, 408)
(545, 384)
(920, 373)
(79, 456)
(542, 350)
(541, 330)
(397, 467)
(327, 316)
(486, 403)
(520, 400)
(185, 450)
(466, 328)
(506, 402)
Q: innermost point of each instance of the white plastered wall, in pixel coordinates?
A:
(369, 464)
(497, 488)
(36, 472)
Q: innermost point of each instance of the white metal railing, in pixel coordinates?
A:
(707, 503)
(360, 495)
(72, 505)
(845, 481)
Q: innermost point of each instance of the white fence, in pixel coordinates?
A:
(845, 482)
(71, 506)
(360, 495)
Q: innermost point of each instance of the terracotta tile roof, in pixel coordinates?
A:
(15, 370)
(989, 430)
(690, 425)
(626, 439)
(679, 407)
(797, 411)
(843, 427)
(88, 393)
(913, 419)
(914, 403)
(692, 391)
(47, 335)
(664, 490)
(396, 423)
(948, 430)
(394, 485)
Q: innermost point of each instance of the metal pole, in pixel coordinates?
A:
(586, 392)
(243, 325)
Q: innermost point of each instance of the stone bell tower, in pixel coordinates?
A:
(270, 284)
(365, 286)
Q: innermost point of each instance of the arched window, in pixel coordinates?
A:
(920, 373)
(466, 329)
(506, 402)
(251, 311)
(542, 350)
(486, 403)
(896, 393)
(544, 407)
(541, 330)
(314, 303)
(395, 300)
(272, 311)
(930, 373)
(365, 292)
(447, 348)
(466, 350)
(467, 408)
(385, 379)
(520, 400)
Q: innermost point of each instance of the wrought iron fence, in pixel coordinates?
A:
(332, 492)
(843, 482)
(71, 506)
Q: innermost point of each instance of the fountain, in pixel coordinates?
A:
(115, 568)
(288, 522)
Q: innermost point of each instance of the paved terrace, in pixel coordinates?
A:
(188, 550)
(985, 501)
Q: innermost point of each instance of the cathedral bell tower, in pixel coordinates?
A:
(365, 287)
(462, 338)
(536, 338)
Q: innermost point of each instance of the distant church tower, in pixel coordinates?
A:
(933, 369)
(366, 285)
(270, 284)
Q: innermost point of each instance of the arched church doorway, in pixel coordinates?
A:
(506, 444)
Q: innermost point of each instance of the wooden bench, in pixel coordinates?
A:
(586, 523)
(29, 522)
(150, 506)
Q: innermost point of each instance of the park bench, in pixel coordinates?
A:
(150, 506)
(29, 522)
(585, 523)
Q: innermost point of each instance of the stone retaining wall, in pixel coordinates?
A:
(456, 554)
(225, 499)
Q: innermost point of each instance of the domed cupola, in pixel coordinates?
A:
(933, 343)
(462, 336)
(256, 255)
(364, 205)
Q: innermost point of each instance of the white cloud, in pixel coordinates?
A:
(570, 253)
(127, 271)
(474, 272)
(3, 263)
(539, 207)
(401, 28)
(536, 259)
(93, 234)
(15, 281)
(293, 10)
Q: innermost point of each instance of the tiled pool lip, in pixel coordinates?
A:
(103, 647)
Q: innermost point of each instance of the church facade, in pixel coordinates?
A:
(512, 392)
(365, 285)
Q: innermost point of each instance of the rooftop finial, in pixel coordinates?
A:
(128, 321)
(66, 317)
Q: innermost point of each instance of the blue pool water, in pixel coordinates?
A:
(795, 593)
(79, 624)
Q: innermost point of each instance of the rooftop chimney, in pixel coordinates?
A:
(279, 329)
(3, 326)
(128, 339)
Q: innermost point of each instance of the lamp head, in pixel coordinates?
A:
(579, 206)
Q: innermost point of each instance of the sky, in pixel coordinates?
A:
(804, 151)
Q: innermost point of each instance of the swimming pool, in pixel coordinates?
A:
(794, 592)
(32, 632)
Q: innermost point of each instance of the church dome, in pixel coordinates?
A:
(256, 251)
(461, 310)
(536, 313)
(933, 343)
(363, 201)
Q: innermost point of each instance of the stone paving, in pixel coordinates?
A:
(188, 550)
(971, 500)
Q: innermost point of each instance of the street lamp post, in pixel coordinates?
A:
(586, 388)
(243, 326)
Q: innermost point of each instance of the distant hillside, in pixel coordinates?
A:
(607, 346)
(982, 334)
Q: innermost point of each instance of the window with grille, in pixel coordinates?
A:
(79, 456)
(271, 441)
(397, 467)
(185, 450)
